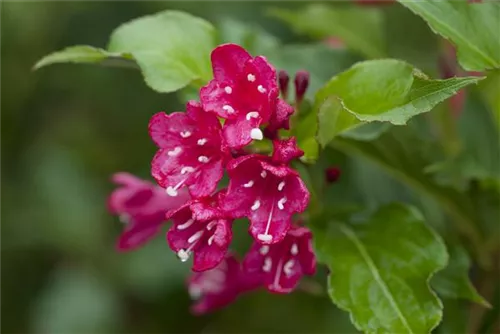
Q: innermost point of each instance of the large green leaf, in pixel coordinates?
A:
(473, 28)
(380, 269)
(322, 21)
(379, 90)
(171, 48)
(453, 281)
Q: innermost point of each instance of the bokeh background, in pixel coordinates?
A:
(65, 130)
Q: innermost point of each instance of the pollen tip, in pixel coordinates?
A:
(256, 134)
(183, 255)
(171, 191)
(265, 237)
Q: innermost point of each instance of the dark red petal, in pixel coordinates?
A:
(228, 62)
(136, 236)
(238, 132)
(286, 150)
(165, 129)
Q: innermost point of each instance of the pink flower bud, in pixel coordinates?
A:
(301, 83)
(283, 80)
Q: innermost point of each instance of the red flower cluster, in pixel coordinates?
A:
(194, 151)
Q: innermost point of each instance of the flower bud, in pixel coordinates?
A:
(301, 83)
(332, 174)
(283, 80)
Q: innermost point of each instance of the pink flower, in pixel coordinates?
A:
(281, 265)
(142, 206)
(266, 191)
(201, 228)
(192, 152)
(244, 91)
(220, 286)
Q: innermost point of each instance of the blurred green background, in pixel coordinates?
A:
(65, 131)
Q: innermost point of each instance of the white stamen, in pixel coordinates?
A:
(187, 169)
(185, 225)
(255, 205)
(281, 203)
(183, 255)
(287, 268)
(185, 134)
(174, 152)
(171, 191)
(256, 134)
(203, 159)
(263, 174)
(195, 237)
(202, 141)
(124, 219)
(261, 89)
(211, 239)
(265, 237)
(195, 292)
(211, 225)
(228, 90)
(228, 108)
(252, 114)
(294, 250)
(249, 184)
(281, 185)
(264, 250)
(268, 264)
(251, 77)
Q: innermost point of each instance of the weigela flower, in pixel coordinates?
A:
(142, 207)
(201, 228)
(192, 152)
(220, 286)
(267, 191)
(281, 265)
(244, 91)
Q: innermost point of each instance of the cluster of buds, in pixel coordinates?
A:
(195, 149)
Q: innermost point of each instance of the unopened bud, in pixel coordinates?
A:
(301, 83)
(283, 80)
(332, 174)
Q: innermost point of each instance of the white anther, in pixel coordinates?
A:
(265, 237)
(211, 225)
(281, 203)
(264, 250)
(183, 255)
(185, 134)
(251, 77)
(195, 292)
(252, 114)
(228, 108)
(187, 169)
(249, 184)
(268, 264)
(174, 152)
(287, 268)
(185, 225)
(171, 191)
(124, 219)
(294, 250)
(195, 237)
(211, 240)
(281, 185)
(261, 89)
(255, 205)
(263, 174)
(202, 141)
(228, 90)
(256, 134)
(203, 159)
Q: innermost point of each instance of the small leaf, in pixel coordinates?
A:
(379, 90)
(473, 28)
(380, 270)
(85, 54)
(321, 21)
(453, 281)
(172, 48)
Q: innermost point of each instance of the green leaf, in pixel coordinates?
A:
(379, 90)
(453, 281)
(321, 21)
(381, 268)
(172, 48)
(473, 28)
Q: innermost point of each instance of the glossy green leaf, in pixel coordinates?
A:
(321, 21)
(473, 28)
(453, 281)
(380, 269)
(379, 90)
